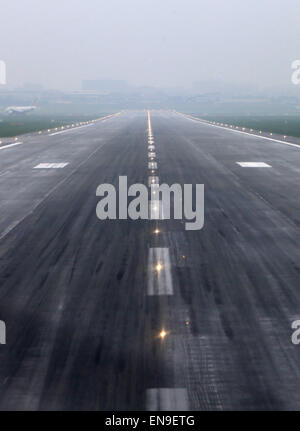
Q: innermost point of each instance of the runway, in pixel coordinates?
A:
(91, 325)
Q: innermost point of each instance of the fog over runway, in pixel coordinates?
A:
(137, 315)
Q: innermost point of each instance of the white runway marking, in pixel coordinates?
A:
(245, 133)
(70, 130)
(152, 180)
(151, 154)
(167, 399)
(159, 272)
(254, 164)
(151, 147)
(10, 145)
(50, 165)
(154, 192)
(156, 210)
(152, 165)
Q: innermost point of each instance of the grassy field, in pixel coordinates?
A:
(283, 125)
(20, 124)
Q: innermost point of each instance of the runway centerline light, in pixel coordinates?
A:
(158, 267)
(162, 334)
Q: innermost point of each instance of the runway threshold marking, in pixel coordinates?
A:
(51, 165)
(167, 399)
(254, 165)
(159, 272)
(11, 145)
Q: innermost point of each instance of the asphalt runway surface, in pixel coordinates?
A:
(84, 318)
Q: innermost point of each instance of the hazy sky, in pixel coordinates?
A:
(58, 43)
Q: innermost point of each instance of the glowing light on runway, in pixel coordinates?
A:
(153, 180)
(162, 334)
(158, 267)
(152, 165)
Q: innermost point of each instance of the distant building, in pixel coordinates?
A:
(105, 86)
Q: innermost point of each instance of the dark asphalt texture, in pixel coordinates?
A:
(82, 333)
